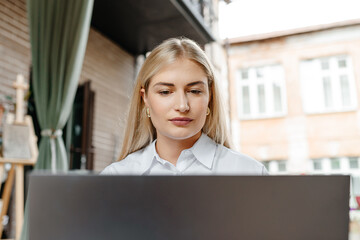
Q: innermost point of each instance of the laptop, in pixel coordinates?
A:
(97, 207)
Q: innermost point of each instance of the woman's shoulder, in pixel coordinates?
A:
(131, 164)
(238, 162)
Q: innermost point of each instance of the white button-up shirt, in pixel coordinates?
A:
(205, 157)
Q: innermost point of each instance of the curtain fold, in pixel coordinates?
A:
(58, 35)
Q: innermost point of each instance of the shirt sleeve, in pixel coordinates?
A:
(108, 171)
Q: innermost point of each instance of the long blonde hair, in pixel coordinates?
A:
(140, 131)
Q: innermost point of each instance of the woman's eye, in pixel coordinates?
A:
(164, 92)
(194, 91)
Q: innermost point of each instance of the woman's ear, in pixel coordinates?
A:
(143, 95)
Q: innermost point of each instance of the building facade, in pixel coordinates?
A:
(295, 98)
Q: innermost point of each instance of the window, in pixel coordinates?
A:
(335, 163)
(353, 163)
(282, 166)
(276, 166)
(317, 164)
(261, 92)
(328, 85)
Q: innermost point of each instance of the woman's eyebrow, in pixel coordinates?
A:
(172, 85)
(164, 84)
(195, 83)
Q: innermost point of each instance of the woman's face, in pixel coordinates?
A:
(178, 97)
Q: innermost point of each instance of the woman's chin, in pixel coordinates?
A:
(183, 135)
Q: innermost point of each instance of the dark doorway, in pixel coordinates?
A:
(79, 129)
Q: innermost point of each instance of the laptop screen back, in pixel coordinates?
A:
(188, 207)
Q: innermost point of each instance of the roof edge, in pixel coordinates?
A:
(295, 31)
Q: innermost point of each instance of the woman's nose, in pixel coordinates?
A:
(182, 104)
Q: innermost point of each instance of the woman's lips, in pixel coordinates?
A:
(181, 121)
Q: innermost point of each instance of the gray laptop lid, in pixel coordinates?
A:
(188, 207)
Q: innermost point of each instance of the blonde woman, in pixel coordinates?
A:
(176, 122)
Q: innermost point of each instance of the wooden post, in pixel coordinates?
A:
(6, 195)
(19, 199)
(2, 169)
(20, 87)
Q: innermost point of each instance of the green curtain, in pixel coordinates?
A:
(59, 31)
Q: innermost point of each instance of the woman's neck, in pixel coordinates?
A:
(170, 149)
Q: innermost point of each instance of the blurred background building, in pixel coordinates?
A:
(295, 98)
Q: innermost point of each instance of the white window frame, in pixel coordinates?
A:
(274, 167)
(327, 169)
(313, 94)
(272, 74)
(357, 159)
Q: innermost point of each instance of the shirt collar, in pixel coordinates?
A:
(203, 150)
(149, 156)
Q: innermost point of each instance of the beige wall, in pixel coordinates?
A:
(298, 136)
(14, 44)
(110, 69)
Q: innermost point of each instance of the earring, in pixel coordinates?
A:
(207, 111)
(148, 112)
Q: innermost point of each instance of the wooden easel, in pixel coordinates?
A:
(17, 165)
